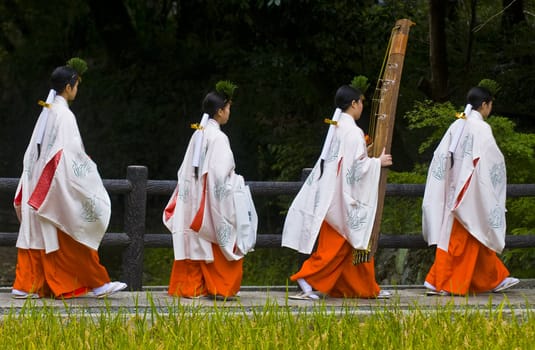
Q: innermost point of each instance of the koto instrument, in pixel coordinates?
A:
(382, 120)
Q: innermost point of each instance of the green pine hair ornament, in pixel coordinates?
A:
(360, 82)
(491, 85)
(226, 87)
(79, 65)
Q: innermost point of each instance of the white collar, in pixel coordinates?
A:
(475, 115)
(212, 122)
(345, 115)
(61, 100)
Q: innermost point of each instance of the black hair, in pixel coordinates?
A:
(477, 95)
(343, 98)
(214, 101)
(61, 77)
(345, 95)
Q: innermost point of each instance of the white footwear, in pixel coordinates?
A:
(304, 296)
(306, 291)
(193, 297)
(508, 282)
(219, 297)
(383, 294)
(19, 294)
(108, 289)
(429, 286)
(432, 292)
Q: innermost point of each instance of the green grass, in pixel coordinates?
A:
(268, 327)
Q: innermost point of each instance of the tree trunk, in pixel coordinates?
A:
(437, 50)
(473, 7)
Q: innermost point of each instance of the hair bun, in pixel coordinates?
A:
(226, 87)
(78, 64)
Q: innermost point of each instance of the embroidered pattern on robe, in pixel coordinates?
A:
(473, 191)
(345, 196)
(60, 188)
(218, 219)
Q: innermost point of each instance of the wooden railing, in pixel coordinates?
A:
(137, 187)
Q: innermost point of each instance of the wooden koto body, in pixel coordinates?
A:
(385, 98)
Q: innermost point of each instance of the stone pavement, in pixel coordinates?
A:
(516, 300)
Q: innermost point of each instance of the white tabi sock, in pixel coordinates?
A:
(305, 287)
(429, 286)
(102, 288)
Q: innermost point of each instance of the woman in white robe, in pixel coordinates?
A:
(337, 202)
(210, 214)
(62, 206)
(464, 206)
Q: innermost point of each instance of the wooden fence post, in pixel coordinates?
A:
(134, 226)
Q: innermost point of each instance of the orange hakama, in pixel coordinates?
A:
(191, 278)
(467, 267)
(330, 268)
(71, 271)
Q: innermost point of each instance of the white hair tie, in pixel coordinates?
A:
(199, 134)
(457, 136)
(328, 139)
(467, 110)
(43, 117)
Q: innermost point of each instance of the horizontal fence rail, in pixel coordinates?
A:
(137, 187)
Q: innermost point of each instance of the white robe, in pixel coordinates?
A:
(481, 209)
(229, 218)
(74, 199)
(345, 195)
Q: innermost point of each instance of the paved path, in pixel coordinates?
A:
(517, 300)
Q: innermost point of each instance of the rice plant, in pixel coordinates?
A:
(270, 326)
